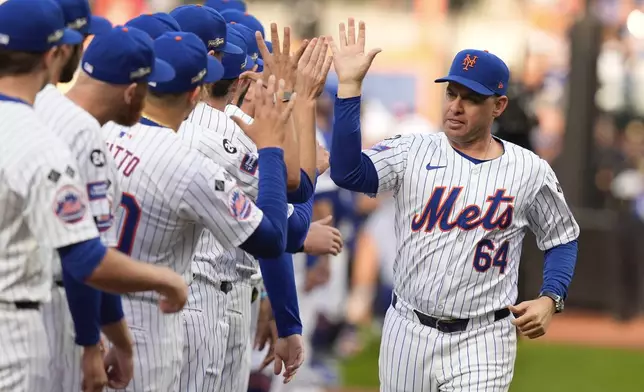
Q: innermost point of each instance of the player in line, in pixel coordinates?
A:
(174, 193)
(47, 206)
(463, 201)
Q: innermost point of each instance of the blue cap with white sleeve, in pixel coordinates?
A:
(125, 55)
(78, 16)
(187, 54)
(155, 24)
(236, 64)
(480, 71)
(43, 29)
(207, 24)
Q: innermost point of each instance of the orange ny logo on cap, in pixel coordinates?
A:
(469, 62)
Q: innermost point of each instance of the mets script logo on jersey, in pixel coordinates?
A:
(69, 205)
(469, 62)
(439, 207)
(239, 205)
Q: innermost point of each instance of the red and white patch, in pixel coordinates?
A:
(69, 205)
(239, 205)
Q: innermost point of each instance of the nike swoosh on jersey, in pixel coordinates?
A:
(430, 167)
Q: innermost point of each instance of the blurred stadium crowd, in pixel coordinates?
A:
(537, 38)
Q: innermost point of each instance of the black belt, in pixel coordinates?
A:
(224, 286)
(450, 325)
(25, 305)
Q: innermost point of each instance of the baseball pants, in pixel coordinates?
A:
(418, 358)
(236, 370)
(205, 337)
(24, 355)
(158, 346)
(65, 362)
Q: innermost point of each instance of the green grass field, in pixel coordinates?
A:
(540, 367)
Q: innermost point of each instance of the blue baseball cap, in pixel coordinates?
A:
(207, 24)
(187, 54)
(236, 64)
(244, 18)
(78, 16)
(480, 71)
(42, 29)
(249, 39)
(155, 24)
(221, 5)
(125, 55)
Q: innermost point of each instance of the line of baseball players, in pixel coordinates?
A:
(135, 193)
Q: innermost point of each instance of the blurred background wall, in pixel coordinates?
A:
(577, 100)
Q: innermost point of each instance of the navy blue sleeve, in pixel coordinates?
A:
(78, 262)
(304, 192)
(269, 239)
(559, 267)
(111, 309)
(84, 304)
(298, 226)
(350, 168)
(279, 281)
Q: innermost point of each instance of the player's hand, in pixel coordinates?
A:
(533, 317)
(266, 332)
(271, 114)
(281, 63)
(243, 83)
(289, 355)
(322, 159)
(318, 275)
(323, 239)
(175, 293)
(94, 376)
(119, 365)
(350, 61)
(312, 70)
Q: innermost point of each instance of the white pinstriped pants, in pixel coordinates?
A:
(24, 355)
(416, 358)
(236, 371)
(65, 362)
(205, 337)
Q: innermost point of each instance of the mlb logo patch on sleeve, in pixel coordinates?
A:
(249, 164)
(97, 190)
(69, 205)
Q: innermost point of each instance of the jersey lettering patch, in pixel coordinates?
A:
(380, 147)
(239, 205)
(97, 190)
(97, 157)
(229, 147)
(249, 164)
(68, 205)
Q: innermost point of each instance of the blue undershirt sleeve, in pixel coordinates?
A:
(279, 281)
(559, 267)
(304, 192)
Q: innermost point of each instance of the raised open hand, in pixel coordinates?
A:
(350, 61)
(312, 69)
(281, 63)
(271, 114)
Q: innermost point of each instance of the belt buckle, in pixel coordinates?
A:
(444, 325)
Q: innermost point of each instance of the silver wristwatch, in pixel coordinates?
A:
(557, 299)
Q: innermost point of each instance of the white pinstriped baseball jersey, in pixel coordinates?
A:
(211, 260)
(170, 194)
(460, 225)
(45, 206)
(97, 169)
(232, 110)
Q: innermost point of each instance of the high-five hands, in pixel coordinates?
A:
(350, 60)
(312, 69)
(281, 63)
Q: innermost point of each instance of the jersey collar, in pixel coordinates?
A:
(147, 121)
(7, 98)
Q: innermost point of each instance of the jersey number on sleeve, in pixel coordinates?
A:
(129, 223)
(488, 255)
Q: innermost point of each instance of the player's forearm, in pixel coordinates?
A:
(279, 281)
(304, 115)
(350, 168)
(269, 239)
(559, 267)
(84, 304)
(292, 157)
(298, 226)
(118, 334)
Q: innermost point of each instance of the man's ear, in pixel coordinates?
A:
(130, 93)
(499, 106)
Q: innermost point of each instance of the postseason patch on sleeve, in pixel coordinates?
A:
(97, 190)
(249, 164)
(69, 205)
(239, 205)
(380, 147)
